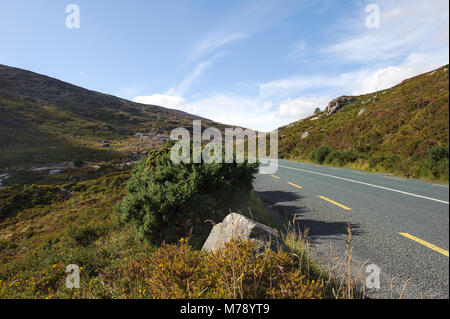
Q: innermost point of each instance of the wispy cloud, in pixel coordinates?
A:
(405, 26)
(213, 42)
(297, 51)
(182, 87)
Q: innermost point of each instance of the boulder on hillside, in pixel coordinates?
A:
(337, 104)
(361, 112)
(304, 135)
(236, 226)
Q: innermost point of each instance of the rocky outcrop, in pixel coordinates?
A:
(304, 135)
(361, 112)
(337, 104)
(236, 226)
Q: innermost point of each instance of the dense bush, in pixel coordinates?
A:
(86, 234)
(320, 154)
(328, 155)
(167, 200)
(437, 161)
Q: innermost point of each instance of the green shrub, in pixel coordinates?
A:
(437, 161)
(320, 154)
(328, 155)
(85, 235)
(168, 200)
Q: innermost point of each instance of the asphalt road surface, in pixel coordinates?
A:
(400, 225)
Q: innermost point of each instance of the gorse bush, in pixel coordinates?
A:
(166, 200)
(234, 271)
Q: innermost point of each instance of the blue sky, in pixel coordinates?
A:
(258, 64)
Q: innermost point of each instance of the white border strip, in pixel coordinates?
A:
(367, 184)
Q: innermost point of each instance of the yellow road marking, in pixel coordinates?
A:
(295, 185)
(333, 202)
(446, 186)
(427, 244)
(275, 176)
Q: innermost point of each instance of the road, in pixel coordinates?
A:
(400, 225)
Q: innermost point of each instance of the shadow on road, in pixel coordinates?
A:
(274, 197)
(319, 229)
(289, 207)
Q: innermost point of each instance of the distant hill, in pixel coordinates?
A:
(44, 120)
(402, 130)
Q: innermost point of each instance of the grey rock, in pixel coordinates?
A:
(305, 135)
(361, 112)
(55, 171)
(236, 226)
(337, 104)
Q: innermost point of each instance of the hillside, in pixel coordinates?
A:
(403, 130)
(44, 120)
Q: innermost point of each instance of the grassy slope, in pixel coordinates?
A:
(46, 233)
(395, 132)
(44, 120)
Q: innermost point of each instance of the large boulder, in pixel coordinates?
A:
(337, 104)
(361, 112)
(236, 226)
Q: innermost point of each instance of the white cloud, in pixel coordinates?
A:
(169, 101)
(301, 107)
(405, 26)
(213, 42)
(245, 111)
(379, 79)
(185, 84)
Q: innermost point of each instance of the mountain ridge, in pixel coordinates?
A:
(46, 120)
